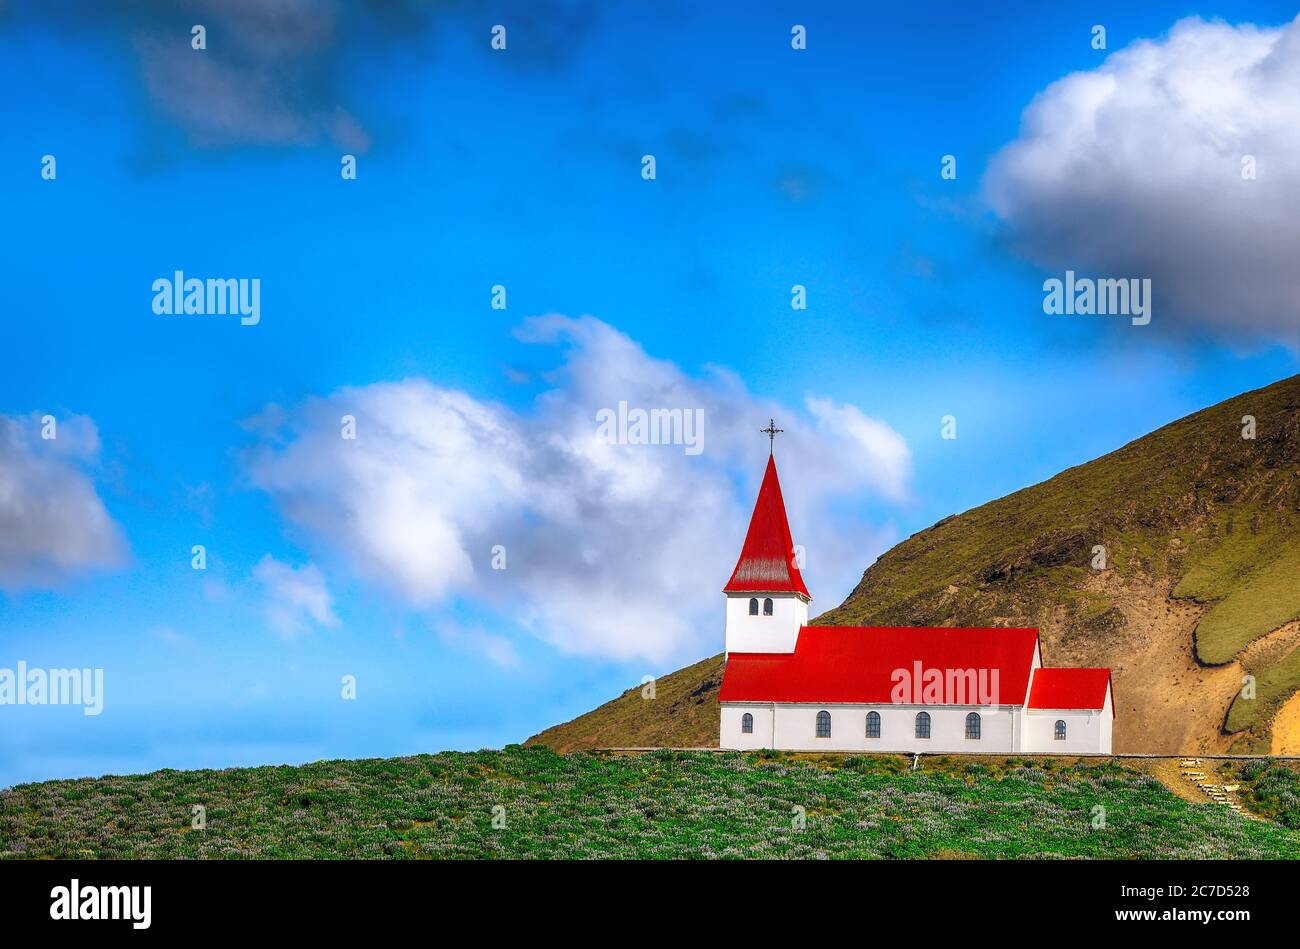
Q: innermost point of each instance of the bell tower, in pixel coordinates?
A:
(767, 601)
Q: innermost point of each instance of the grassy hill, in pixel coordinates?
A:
(659, 804)
(682, 714)
(1199, 586)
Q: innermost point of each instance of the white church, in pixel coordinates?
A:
(797, 687)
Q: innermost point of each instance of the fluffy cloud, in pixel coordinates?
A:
(1134, 169)
(295, 596)
(52, 522)
(617, 550)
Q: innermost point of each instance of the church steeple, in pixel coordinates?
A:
(767, 602)
(767, 561)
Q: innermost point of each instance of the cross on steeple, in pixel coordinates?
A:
(771, 432)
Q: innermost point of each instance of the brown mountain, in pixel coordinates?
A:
(1174, 560)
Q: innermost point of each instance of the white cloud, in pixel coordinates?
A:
(53, 524)
(611, 550)
(296, 597)
(1134, 169)
(476, 640)
(874, 449)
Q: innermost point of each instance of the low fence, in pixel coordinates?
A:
(954, 754)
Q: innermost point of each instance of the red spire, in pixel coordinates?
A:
(766, 563)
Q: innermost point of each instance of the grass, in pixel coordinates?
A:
(1273, 687)
(1240, 540)
(1267, 598)
(654, 805)
(1272, 790)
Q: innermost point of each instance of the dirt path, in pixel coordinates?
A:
(1168, 773)
(1286, 728)
(1185, 777)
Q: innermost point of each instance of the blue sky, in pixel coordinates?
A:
(522, 168)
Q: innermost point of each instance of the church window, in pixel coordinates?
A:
(823, 724)
(922, 724)
(753, 606)
(973, 725)
(873, 724)
(1060, 731)
(767, 606)
(747, 724)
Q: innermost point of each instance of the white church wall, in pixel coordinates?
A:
(734, 736)
(796, 728)
(1087, 731)
(1107, 724)
(775, 633)
(1034, 665)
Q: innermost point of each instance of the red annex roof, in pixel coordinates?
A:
(867, 664)
(1070, 689)
(766, 563)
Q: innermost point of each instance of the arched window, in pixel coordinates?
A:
(1060, 731)
(922, 724)
(767, 606)
(873, 724)
(823, 724)
(753, 606)
(747, 724)
(973, 725)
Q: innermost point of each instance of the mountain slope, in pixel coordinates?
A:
(1174, 560)
(682, 714)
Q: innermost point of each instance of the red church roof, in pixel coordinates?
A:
(858, 664)
(1070, 689)
(766, 563)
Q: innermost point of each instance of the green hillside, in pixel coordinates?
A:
(1199, 585)
(1193, 501)
(682, 714)
(656, 805)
